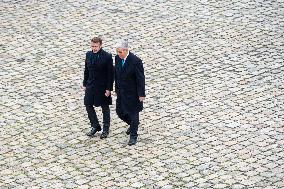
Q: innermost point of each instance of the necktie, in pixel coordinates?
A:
(122, 62)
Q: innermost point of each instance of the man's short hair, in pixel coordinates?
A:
(97, 40)
(122, 44)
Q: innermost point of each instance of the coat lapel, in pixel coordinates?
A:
(124, 67)
(126, 63)
(119, 65)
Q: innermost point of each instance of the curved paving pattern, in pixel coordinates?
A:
(214, 111)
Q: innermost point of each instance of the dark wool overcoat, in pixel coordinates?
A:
(129, 84)
(98, 77)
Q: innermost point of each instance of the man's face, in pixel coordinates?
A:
(121, 52)
(95, 47)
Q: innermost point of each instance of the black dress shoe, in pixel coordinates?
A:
(93, 131)
(132, 141)
(128, 131)
(104, 135)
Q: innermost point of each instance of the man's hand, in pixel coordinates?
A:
(107, 93)
(141, 98)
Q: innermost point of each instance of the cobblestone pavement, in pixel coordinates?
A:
(213, 115)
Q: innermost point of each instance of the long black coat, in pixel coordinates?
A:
(98, 77)
(129, 84)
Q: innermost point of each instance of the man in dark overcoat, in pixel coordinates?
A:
(98, 84)
(129, 87)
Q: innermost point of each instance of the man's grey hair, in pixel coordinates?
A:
(122, 44)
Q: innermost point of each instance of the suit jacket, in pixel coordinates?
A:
(129, 83)
(98, 77)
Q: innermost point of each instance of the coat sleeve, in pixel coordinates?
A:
(110, 73)
(140, 78)
(86, 73)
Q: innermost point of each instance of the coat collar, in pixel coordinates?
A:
(126, 56)
(99, 52)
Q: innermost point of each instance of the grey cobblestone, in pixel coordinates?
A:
(214, 110)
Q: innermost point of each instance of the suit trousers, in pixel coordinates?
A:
(94, 119)
(132, 119)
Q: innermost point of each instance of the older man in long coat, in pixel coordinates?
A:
(129, 87)
(98, 83)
